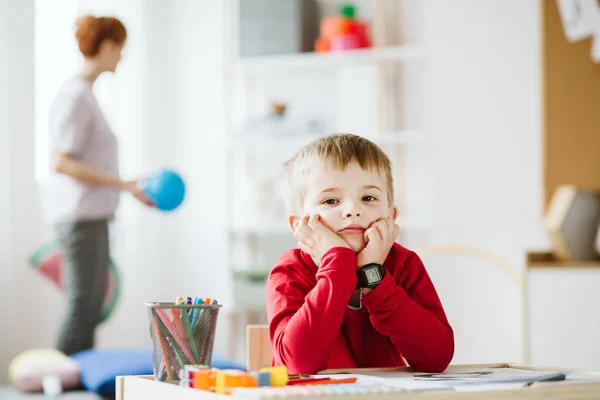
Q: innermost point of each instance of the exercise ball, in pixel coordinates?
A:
(166, 189)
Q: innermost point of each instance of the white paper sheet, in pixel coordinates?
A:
(458, 379)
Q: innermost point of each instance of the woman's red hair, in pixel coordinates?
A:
(91, 31)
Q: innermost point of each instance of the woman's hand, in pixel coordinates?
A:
(133, 187)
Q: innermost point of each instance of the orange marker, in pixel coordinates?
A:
(204, 379)
(232, 378)
(332, 381)
(207, 300)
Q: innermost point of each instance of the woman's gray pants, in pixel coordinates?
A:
(85, 249)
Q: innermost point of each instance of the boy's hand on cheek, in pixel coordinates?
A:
(380, 237)
(315, 238)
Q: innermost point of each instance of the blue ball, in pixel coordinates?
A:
(166, 189)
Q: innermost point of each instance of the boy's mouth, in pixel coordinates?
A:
(354, 229)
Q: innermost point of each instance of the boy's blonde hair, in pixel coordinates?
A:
(337, 150)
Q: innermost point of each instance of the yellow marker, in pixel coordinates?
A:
(279, 375)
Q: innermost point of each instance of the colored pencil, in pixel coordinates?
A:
(177, 332)
(164, 349)
(189, 333)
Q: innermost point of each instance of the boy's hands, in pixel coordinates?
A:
(315, 238)
(380, 237)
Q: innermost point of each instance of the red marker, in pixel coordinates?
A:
(330, 381)
(304, 381)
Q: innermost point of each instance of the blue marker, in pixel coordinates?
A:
(197, 301)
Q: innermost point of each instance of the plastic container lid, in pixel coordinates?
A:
(348, 10)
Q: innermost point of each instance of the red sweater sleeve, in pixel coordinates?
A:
(409, 312)
(304, 321)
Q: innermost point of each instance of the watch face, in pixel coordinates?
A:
(373, 275)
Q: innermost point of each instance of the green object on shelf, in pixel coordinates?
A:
(348, 10)
(252, 276)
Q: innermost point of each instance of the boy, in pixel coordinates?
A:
(350, 296)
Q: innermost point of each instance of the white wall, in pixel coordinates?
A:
(19, 211)
(484, 118)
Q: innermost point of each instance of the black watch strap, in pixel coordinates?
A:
(370, 275)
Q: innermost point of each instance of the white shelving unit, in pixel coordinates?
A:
(333, 60)
(255, 243)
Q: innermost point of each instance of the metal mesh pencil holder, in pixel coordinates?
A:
(182, 334)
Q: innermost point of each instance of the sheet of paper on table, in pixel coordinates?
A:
(467, 379)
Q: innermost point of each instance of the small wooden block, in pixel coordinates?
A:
(258, 347)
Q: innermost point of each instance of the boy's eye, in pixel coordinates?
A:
(330, 201)
(369, 198)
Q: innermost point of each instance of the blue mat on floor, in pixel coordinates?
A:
(99, 368)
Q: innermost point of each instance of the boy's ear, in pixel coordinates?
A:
(393, 212)
(293, 221)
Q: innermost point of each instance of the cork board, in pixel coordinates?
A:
(571, 108)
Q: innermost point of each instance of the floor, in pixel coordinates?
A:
(9, 393)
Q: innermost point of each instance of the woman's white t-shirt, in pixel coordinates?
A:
(78, 127)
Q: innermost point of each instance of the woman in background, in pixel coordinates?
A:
(84, 186)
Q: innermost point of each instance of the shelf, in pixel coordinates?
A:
(275, 228)
(332, 59)
(549, 260)
(399, 137)
(251, 275)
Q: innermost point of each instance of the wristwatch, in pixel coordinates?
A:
(370, 275)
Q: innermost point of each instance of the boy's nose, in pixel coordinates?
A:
(352, 210)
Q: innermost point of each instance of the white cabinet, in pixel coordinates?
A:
(563, 314)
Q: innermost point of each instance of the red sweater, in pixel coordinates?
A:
(312, 328)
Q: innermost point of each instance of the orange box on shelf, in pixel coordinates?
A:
(332, 26)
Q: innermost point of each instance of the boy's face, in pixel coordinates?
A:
(348, 201)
